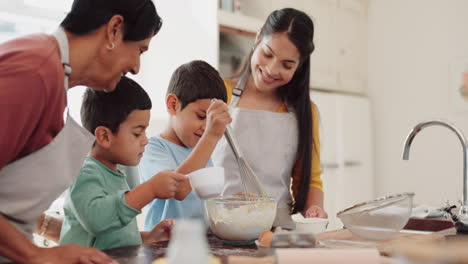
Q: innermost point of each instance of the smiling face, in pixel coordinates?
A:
(128, 144)
(111, 64)
(274, 62)
(188, 124)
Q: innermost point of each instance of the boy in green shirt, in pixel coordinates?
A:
(100, 209)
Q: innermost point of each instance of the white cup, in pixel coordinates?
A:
(314, 225)
(207, 182)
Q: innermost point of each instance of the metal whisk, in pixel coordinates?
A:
(249, 180)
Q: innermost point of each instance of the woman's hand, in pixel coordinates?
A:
(315, 211)
(71, 254)
(161, 232)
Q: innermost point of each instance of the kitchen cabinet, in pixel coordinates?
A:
(351, 46)
(346, 151)
(324, 58)
(339, 62)
(238, 23)
(237, 33)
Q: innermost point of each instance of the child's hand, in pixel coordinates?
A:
(315, 211)
(165, 184)
(217, 118)
(161, 232)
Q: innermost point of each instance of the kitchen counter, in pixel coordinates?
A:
(146, 254)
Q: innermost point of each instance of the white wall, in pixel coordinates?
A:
(411, 45)
(189, 32)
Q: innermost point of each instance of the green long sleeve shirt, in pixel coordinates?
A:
(96, 214)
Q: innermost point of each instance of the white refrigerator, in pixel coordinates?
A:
(346, 151)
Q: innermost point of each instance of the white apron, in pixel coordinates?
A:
(268, 141)
(29, 185)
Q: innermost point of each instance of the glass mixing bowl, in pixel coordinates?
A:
(379, 219)
(234, 218)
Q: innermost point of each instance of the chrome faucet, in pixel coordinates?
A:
(463, 214)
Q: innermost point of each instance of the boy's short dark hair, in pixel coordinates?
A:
(141, 19)
(101, 108)
(196, 80)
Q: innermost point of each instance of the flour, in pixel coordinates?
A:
(242, 222)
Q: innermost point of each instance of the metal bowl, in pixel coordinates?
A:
(378, 219)
(235, 218)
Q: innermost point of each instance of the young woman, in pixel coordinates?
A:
(274, 121)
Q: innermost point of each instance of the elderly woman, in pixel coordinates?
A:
(42, 147)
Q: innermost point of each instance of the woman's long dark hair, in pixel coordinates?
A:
(300, 30)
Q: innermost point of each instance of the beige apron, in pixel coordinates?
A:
(268, 141)
(29, 185)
